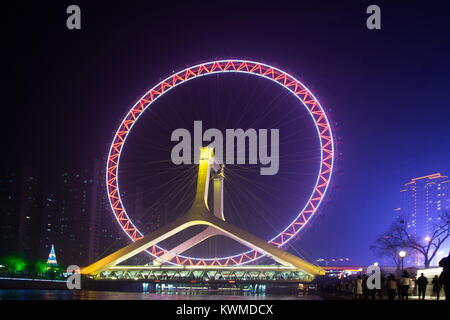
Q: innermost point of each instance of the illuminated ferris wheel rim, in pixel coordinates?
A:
(276, 75)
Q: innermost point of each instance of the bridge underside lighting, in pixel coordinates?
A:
(236, 274)
(205, 267)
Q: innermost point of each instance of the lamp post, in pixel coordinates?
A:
(402, 255)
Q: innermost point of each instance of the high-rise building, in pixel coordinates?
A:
(422, 201)
(105, 234)
(9, 208)
(72, 212)
(77, 218)
(66, 217)
(50, 229)
(20, 212)
(30, 213)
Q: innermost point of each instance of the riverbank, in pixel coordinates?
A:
(30, 283)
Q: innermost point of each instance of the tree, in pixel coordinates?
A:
(40, 267)
(55, 271)
(384, 247)
(14, 264)
(399, 237)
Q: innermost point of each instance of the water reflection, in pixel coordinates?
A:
(110, 295)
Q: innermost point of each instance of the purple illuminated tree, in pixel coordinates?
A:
(398, 237)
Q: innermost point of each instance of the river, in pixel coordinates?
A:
(30, 294)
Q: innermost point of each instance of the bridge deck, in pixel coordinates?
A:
(238, 274)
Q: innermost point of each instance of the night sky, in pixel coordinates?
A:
(387, 91)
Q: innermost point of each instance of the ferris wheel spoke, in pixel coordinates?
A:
(167, 186)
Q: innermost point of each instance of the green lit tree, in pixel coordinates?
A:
(55, 271)
(40, 267)
(15, 264)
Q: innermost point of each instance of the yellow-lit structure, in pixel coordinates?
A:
(199, 214)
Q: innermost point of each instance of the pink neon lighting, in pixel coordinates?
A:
(241, 66)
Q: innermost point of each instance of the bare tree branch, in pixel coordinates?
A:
(398, 237)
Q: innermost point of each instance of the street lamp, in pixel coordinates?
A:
(402, 255)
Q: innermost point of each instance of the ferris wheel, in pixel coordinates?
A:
(305, 99)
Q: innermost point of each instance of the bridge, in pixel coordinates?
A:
(290, 269)
(206, 274)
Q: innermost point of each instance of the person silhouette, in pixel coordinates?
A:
(405, 283)
(436, 286)
(444, 278)
(358, 287)
(391, 286)
(422, 282)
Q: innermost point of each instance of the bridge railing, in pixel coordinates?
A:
(204, 275)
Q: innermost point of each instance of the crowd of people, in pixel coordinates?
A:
(393, 287)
